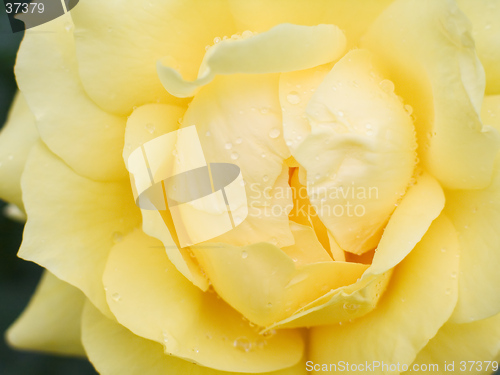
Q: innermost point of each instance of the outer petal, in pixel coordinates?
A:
(118, 44)
(284, 48)
(416, 41)
(150, 297)
(238, 120)
(275, 285)
(486, 32)
(71, 125)
(73, 222)
(418, 301)
(476, 215)
(106, 341)
(51, 321)
(16, 140)
(471, 347)
(353, 16)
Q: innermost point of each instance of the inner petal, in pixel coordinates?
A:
(359, 154)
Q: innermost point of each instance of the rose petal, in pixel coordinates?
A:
(284, 48)
(418, 301)
(360, 153)
(353, 16)
(51, 321)
(416, 41)
(238, 120)
(119, 43)
(105, 341)
(476, 215)
(17, 137)
(422, 203)
(73, 221)
(88, 139)
(471, 347)
(275, 286)
(148, 296)
(484, 16)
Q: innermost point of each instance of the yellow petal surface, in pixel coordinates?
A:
(150, 297)
(473, 348)
(275, 286)
(353, 16)
(418, 301)
(416, 41)
(105, 341)
(476, 215)
(360, 153)
(238, 120)
(340, 305)
(422, 203)
(73, 222)
(284, 48)
(119, 43)
(484, 16)
(51, 321)
(88, 139)
(490, 111)
(17, 137)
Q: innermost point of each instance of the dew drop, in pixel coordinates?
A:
(228, 146)
(387, 86)
(408, 109)
(244, 254)
(235, 156)
(246, 34)
(207, 134)
(116, 297)
(239, 140)
(150, 127)
(274, 133)
(270, 333)
(443, 250)
(293, 97)
(217, 40)
(454, 275)
(243, 344)
(448, 291)
(263, 155)
(117, 237)
(265, 178)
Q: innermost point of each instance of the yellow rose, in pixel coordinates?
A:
(368, 150)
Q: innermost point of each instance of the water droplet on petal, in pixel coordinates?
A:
(387, 86)
(235, 156)
(239, 140)
(408, 109)
(244, 254)
(117, 237)
(150, 128)
(243, 344)
(265, 178)
(207, 134)
(274, 133)
(116, 297)
(228, 146)
(293, 97)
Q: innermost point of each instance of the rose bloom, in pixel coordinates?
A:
(366, 134)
